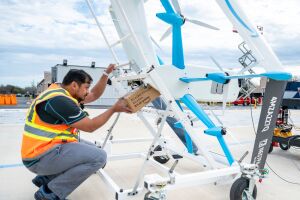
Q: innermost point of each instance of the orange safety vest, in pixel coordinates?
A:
(40, 137)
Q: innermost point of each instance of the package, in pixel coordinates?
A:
(140, 97)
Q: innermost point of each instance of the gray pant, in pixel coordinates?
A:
(160, 104)
(68, 165)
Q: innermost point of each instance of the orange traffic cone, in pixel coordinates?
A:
(2, 99)
(13, 99)
(7, 99)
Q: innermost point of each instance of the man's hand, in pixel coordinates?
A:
(121, 106)
(110, 68)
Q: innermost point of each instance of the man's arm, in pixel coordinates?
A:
(89, 125)
(100, 86)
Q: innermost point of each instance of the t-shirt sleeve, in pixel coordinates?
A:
(64, 109)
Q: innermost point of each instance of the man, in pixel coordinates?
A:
(50, 146)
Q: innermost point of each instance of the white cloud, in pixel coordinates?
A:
(39, 34)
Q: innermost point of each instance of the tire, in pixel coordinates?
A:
(284, 147)
(271, 148)
(149, 197)
(237, 191)
(160, 159)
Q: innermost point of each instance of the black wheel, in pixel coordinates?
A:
(284, 147)
(160, 159)
(148, 196)
(240, 188)
(271, 148)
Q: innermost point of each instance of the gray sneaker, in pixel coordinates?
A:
(40, 180)
(41, 194)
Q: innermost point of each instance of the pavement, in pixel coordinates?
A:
(15, 179)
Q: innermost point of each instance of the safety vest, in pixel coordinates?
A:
(40, 137)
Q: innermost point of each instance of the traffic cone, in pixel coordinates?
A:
(1, 99)
(7, 99)
(13, 99)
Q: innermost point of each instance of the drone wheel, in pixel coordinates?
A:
(240, 188)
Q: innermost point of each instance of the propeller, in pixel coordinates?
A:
(176, 20)
(197, 22)
(216, 63)
(176, 6)
(155, 43)
(166, 34)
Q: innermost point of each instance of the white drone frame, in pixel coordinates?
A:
(146, 69)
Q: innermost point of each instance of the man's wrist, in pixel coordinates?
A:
(113, 109)
(105, 74)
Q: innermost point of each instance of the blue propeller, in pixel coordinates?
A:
(224, 79)
(176, 20)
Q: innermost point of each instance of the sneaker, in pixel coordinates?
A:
(41, 194)
(40, 180)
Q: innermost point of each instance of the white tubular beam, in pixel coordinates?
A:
(126, 156)
(257, 43)
(102, 32)
(200, 178)
(124, 64)
(138, 45)
(119, 41)
(135, 140)
(131, 77)
(108, 180)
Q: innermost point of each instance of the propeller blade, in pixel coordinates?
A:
(216, 63)
(154, 42)
(166, 34)
(176, 6)
(201, 24)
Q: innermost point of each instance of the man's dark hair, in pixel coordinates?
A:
(77, 75)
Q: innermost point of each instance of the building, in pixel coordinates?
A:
(109, 96)
(43, 85)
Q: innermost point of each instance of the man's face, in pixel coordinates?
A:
(81, 91)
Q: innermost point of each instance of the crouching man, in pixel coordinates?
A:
(50, 146)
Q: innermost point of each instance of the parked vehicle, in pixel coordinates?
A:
(244, 101)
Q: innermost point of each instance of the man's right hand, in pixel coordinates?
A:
(121, 106)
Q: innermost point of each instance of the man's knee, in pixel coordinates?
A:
(101, 158)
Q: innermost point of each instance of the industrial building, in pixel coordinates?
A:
(58, 72)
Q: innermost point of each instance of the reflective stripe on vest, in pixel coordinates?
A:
(40, 137)
(32, 107)
(46, 135)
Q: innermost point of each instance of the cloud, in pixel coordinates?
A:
(36, 35)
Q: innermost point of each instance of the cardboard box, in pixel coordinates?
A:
(140, 97)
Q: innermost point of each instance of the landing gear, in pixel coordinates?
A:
(271, 148)
(240, 190)
(161, 159)
(154, 196)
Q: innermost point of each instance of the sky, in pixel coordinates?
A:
(35, 35)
